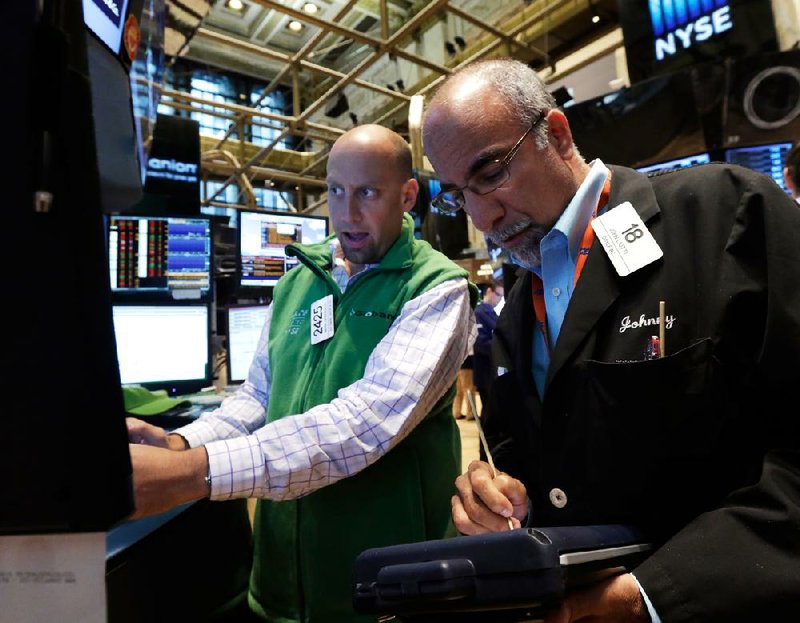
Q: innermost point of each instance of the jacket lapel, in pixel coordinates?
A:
(598, 286)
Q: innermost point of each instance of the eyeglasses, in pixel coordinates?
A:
(488, 178)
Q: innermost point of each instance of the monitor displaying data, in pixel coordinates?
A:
(263, 237)
(160, 257)
(245, 323)
(164, 346)
(677, 163)
(767, 159)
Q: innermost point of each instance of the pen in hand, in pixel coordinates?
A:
(484, 443)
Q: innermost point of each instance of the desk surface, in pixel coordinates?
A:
(130, 532)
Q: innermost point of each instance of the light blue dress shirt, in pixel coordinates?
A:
(560, 249)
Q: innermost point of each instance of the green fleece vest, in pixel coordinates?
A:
(305, 548)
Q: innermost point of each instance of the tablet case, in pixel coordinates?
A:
(498, 577)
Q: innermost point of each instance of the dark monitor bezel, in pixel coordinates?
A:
(674, 163)
(162, 295)
(176, 387)
(763, 147)
(228, 345)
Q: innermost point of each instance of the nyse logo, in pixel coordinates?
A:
(679, 24)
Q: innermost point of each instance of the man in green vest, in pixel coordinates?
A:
(343, 429)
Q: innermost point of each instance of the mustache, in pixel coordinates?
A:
(500, 235)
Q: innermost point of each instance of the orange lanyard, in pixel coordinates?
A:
(537, 289)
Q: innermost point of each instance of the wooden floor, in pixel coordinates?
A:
(470, 442)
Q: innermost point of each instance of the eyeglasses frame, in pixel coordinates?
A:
(505, 162)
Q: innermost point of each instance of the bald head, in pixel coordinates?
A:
(370, 187)
(505, 84)
(381, 143)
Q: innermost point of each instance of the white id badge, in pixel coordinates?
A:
(628, 243)
(322, 319)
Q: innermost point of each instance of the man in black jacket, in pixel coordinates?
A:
(647, 356)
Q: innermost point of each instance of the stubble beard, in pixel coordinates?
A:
(366, 255)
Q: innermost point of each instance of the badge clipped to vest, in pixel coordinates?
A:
(626, 240)
(322, 319)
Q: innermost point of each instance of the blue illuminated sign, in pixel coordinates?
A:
(685, 22)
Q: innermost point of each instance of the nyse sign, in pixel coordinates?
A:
(689, 32)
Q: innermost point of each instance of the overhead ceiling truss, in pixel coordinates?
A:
(314, 83)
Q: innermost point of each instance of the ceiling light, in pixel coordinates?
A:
(595, 19)
(310, 8)
(295, 26)
(236, 5)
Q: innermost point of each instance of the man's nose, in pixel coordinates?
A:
(353, 209)
(484, 210)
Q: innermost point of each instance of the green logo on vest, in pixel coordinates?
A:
(372, 314)
(299, 319)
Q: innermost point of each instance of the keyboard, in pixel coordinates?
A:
(177, 416)
(206, 399)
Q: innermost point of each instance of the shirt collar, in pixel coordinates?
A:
(576, 216)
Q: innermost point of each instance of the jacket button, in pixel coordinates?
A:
(558, 498)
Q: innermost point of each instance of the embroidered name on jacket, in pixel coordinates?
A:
(644, 321)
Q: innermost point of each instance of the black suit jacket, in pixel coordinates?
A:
(701, 447)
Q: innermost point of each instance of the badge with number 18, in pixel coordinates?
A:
(628, 243)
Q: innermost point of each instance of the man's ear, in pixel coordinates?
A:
(410, 191)
(560, 133)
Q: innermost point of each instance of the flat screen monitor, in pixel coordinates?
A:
(164, 346)
(245, 323)
(160, 258)
(119, 151)
(678, 163)
(263, 237)
(106, 19)
(653, 121)
(447, 233)
(767, 159)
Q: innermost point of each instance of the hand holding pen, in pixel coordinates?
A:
(487, 500)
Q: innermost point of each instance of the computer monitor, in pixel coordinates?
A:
(263, 236)
(447, 233)
(768, 159)
(678, 163)
(164, 346)
(160, 258)
(245, 323)
(106, 20)
(653, 121)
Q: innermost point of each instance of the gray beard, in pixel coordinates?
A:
(528, 254)
(528, 258)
